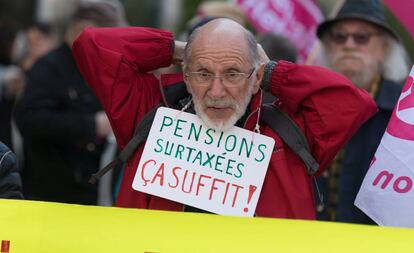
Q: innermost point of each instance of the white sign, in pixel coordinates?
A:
(387, 193)
(220, 172)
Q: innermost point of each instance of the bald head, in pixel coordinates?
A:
(221, 27)
(220, 35)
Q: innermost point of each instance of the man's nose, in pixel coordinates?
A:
(350, 42)
(217, 89)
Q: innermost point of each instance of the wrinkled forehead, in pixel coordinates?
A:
(221, 39)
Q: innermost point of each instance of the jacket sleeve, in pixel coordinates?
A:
(327, 104)
(116, 63)
(10, 182)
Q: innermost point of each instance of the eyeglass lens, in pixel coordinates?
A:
(360, 38)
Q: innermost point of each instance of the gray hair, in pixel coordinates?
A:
(396, 65)
(254, 56)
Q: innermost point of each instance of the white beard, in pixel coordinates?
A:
(222, 125)
(363, 77)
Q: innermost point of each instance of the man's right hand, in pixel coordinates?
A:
(178, 54)
(263, 56)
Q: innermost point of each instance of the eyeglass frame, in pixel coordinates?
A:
(354, 37)
(211, 77)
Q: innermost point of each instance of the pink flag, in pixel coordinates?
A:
(403, 10)
(387, 193)
(295, 19)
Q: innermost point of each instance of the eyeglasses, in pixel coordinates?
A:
(360, 38)
(229, 79)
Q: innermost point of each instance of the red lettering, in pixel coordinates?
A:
(235, 193)
(142, 171)
(407, 187)
(174, 170)
(199, 184)
(160, 174)
(213, 186)
(388, 176)
(402, 184)
(225, 193)
(181, 180)
(192, 181)
(374, 159)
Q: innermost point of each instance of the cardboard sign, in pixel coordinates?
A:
(220, 172)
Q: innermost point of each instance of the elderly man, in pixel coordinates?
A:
(359, 44)
(223, 75)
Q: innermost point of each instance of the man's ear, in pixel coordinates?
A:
(187, 85)
(185, 78)
(259, 73)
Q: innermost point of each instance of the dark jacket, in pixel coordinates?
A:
(10, 182)
(359, 151)
(6, 108)
(56, 116)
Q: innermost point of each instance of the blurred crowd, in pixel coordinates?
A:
(55, 125)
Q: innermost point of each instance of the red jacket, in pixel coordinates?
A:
(117, 64)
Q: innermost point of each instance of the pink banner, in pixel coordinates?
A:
(404, 11)
(295, 19)
(387, 193)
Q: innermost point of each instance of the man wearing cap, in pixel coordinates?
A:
(359, 44)
(62, 122)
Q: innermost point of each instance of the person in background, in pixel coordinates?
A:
(12, 80)
(277, 47)
(62, 122)
(224, 74)
(210, 10)
(40, 40)
(359, 44)
(10, 182)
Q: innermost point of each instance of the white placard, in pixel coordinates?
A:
(220, 172)
(387, 192)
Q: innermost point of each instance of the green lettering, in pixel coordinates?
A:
(239, 167)
(179, 151)
(248, 149)
(260, 150)
(230, 166)
(196, 134)
(178, 127)
(169, 145)
(198, 157)
(218, 162)
(211, 137)
(226, 145)
(219, 141)
(166, 121)
(190, 150)
(209, 159)
(159, 145)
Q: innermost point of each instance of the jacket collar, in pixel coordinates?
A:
(388, 95)
(254, 112)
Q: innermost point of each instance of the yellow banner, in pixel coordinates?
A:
(44, 227)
